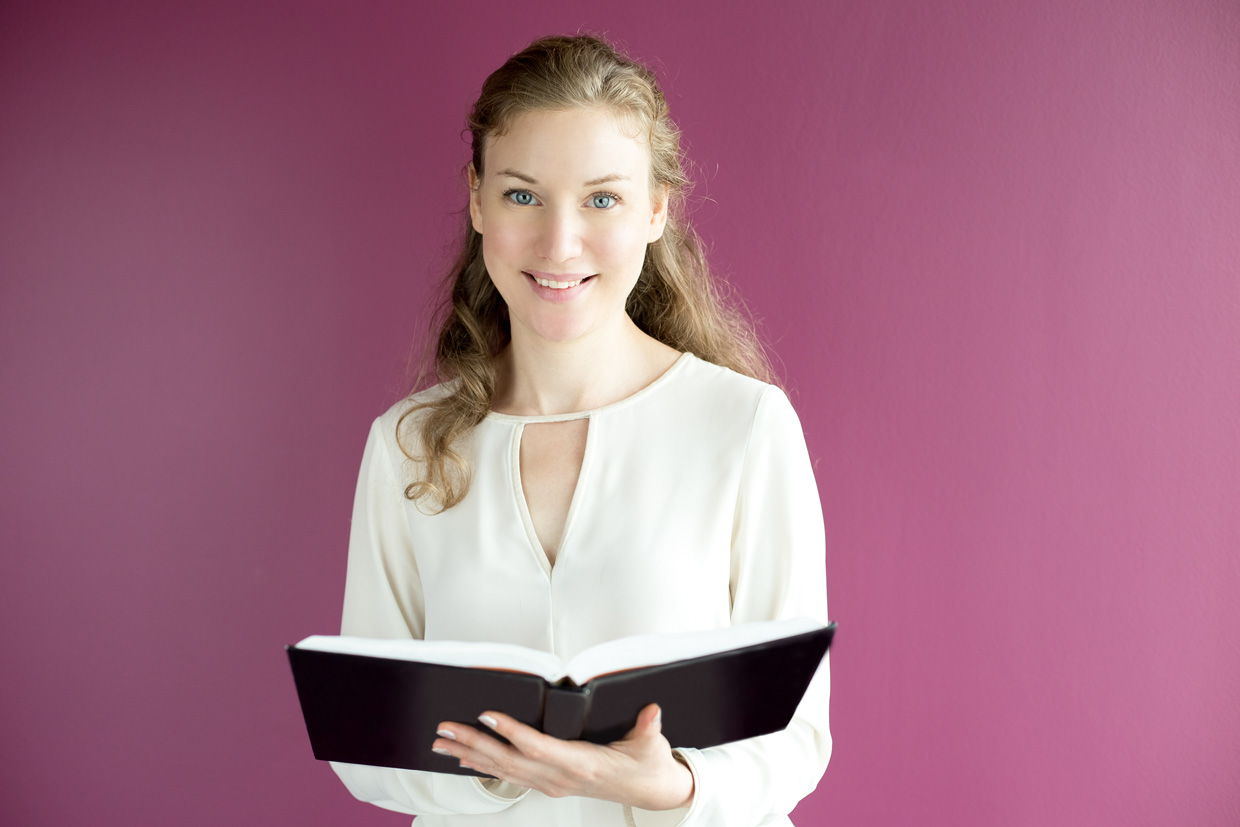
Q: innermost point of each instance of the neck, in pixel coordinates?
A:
(536, 377)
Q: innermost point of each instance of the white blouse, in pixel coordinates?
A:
(695, 508)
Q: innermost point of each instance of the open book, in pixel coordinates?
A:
(379, 702)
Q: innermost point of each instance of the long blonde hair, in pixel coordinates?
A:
(676, 300)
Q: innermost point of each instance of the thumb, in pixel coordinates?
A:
(649, 723)
(650, 720)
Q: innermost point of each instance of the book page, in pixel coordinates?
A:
(656, 649)
(445, 652)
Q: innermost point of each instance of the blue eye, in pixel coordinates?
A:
(604, 201)
(522, 197)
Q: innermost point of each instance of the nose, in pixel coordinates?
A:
(559, 237)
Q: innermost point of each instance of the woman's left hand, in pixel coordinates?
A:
(639, 770)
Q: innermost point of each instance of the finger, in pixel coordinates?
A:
(528, 741)
(463, 734)
(550, 765)
(489, 753)
(468, 744)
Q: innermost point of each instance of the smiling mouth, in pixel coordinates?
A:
(558, 285)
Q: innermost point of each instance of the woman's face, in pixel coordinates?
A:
(565, 212)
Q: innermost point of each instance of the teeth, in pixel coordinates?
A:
(557, 285)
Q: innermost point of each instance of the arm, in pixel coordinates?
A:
(778, 571)
(383, 599)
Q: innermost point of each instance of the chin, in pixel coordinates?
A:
(560, 330)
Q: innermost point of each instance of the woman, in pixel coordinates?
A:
(602, 459)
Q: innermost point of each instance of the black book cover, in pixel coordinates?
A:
(368, 710)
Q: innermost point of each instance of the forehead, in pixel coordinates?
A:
(572, 145)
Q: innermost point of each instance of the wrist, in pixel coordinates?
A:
(689, 782)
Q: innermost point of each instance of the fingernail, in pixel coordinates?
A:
(440, 750)
(445, 733)
(489, 721)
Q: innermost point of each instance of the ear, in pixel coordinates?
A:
(658, 215)
(475, 199)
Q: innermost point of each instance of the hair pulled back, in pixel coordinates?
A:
(675, 300)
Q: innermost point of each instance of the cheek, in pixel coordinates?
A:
(622, 244)
(504, 246)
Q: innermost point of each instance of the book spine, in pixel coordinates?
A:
(565, 711)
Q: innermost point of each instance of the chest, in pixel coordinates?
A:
(550, 458)
(643, 513)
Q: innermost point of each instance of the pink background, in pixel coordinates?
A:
(996, 247)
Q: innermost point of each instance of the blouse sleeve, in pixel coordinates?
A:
(778, 572)
(383, 599)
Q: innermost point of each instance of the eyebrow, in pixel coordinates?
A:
(593, 182)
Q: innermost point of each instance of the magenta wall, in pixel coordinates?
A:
(996, 246)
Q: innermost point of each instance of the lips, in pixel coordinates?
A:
(559, 287)
(558, 281)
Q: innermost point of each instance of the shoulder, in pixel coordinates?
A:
(400, 424)
(715, 412)
(724, 392)
(726, 420)
(759, 420)
(409, 411)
